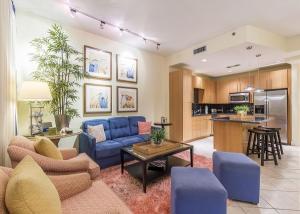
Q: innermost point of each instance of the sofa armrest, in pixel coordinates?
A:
(70, 185)
(87, 144)
(68, 153)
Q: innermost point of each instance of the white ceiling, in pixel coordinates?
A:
(177, 24)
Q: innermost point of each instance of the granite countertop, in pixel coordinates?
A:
(197, 115)
(252, 120)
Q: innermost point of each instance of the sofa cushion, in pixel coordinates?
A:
(29, 190)
(107, 148)
(44, 146)
(96, 122)
(119, 127)
(133, 123)
(128, 141)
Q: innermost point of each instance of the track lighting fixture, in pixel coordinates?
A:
(102, 23)
(74, 11)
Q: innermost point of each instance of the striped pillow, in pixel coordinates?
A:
(144, 127)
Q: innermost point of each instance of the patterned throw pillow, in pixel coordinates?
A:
(144, 127)
(97, 132)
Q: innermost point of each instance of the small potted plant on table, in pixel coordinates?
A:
(241, 110)
(158, 136)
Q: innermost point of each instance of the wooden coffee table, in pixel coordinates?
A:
(139, 169)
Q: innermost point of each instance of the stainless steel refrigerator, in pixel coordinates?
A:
(273, 105)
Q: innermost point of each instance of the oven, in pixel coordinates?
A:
(241, 97)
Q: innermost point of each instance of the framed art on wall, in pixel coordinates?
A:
(97, 98)
(127, 69)
(97, 63)
(127, 99)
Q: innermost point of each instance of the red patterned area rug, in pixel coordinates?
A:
(157, 199)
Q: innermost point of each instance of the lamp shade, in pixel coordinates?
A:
(34, 91)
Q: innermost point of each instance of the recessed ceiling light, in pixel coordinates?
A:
(204, 60)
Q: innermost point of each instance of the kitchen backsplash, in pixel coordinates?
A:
(198, 109)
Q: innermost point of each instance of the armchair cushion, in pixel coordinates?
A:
(23, 142)
(29, 190)
(70, 185)
(133, 123)
(68, 153)
(96, 122)
(107, 148)
(48, 164)
(44, 146)
(128, 141)
(3, 183)
(119, 127)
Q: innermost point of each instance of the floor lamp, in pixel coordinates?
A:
(34, 92)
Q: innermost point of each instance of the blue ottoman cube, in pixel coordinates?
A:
(195, 191)
(239, 175)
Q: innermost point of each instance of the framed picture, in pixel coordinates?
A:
(127, 69)
(127, 99)
(97, 63)
(97, 98)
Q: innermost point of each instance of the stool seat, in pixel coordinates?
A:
(239, 175)
(195, 190)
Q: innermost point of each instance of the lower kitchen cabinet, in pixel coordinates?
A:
(201, 126)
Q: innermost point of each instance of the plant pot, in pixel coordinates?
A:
(242, 113)
(156, 143)
(61, 121)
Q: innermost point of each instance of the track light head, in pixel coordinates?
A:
(73, 12)
(102, 23)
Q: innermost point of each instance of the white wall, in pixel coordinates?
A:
(153, 82)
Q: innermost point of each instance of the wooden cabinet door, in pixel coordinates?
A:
(277, 79)
(197, 82)
(196, 128)
(233, 85)
(261, 80)
(245, 80)
(209, 87)
(222, 91)
(187, 90)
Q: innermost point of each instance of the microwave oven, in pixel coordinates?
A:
(241, 97)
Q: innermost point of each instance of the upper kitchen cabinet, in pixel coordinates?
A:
(245, 80)
(261, 80)
(209, 86)
(197, 82)
(222, 90)
(277, 79)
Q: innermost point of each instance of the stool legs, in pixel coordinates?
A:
(273, 150)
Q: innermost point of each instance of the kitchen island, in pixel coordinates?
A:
(231, 133)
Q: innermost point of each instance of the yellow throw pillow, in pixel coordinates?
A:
(30, 191)
(44, 146)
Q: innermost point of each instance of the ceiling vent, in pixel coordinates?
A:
(233, 66)
(200, 50)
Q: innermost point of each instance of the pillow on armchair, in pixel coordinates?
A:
(97, 132)
(144, 127)
(44, 146)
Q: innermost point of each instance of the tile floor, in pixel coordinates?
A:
(280, 185)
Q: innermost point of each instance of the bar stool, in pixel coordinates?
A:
(264, 139)
(277, 130)
(253, 147)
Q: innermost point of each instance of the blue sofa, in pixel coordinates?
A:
(119, 131)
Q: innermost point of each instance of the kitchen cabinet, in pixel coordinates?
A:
(277, 79)
(261, 80)
(222, 91)
(201, 126)
(181, 98)
(197, 82)
(209, 86)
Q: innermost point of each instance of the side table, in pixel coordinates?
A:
(162, 124)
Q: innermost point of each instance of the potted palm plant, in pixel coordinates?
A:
(58, 64)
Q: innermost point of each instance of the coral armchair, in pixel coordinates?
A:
(20, 146)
